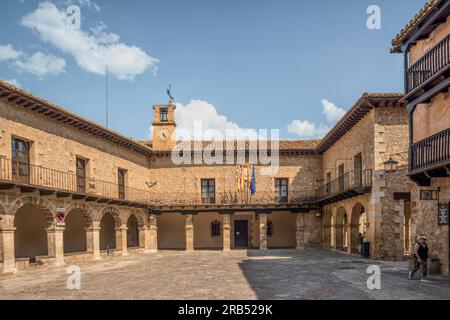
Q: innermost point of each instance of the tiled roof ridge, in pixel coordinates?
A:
(45, 102)
(423, 13)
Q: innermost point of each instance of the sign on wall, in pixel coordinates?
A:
(60, 217)
(443, 214)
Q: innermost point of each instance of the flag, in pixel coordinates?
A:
(241, 179)
(253, 183)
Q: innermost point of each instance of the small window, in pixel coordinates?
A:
(281, 190)
(121, 182)
(215, 228)
(163, 114)
(208, 191)
(269, 228)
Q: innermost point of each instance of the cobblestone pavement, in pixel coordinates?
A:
(277, 274)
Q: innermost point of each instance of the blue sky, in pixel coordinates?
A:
(240, 64)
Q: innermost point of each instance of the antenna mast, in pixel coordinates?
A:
(106, 115)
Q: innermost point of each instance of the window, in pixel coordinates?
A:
(121, 182)
(281, 190)
(357, 164)
(20, 160)
(269, 228)
(215, 228)
(163, 114)
(81, 174)
(208, 191)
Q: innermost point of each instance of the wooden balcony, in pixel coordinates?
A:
(430, 157)
(429, 70)
(349, 185)
(32, 178)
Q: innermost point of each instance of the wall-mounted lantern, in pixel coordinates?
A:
(391, 165)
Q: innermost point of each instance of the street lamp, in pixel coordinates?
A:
(391, 165)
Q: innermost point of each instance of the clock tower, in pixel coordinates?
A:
(164, 126)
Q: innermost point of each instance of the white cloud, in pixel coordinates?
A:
(7, 52)
(14, 82)
(331, 111)
(42, 65)
(93, 50)
(307, 129)
(199, 114)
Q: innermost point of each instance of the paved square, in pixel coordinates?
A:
(278, 274)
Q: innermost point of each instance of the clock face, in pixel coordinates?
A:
(164, 135)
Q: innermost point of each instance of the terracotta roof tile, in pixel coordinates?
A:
(419, 17)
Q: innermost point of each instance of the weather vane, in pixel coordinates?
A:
(169, 93)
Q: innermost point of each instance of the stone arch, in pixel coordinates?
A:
(339, 227)
(45, 207)
(78, 220)
(327, 222)
(137, 214)
(86, 210)
(32, 217)
(358, 227)
(115, 213)
(110, 220)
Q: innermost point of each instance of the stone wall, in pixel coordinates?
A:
(56, 146)
(183, 182)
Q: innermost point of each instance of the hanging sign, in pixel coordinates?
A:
(443, 214)
(60, 217)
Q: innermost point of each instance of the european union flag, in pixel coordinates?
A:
(253, 183)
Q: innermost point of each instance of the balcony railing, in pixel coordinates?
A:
(430, 152)
(261, 197)
(29, 175)
(350, 183)
(433, 62)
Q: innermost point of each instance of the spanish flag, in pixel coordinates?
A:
(241, 182)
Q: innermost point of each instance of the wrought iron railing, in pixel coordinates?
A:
(261, 197)
(26, 174)
(434, 61)
(352, 180)
(430, 151)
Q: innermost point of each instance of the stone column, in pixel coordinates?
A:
(353, 241)
(300, 231)
(93, 240)
(121, 239)
(326, 239)
(262, 231)
(226, 232)
(153, 233)
(143, 235)
(7, 248)
(55, 240)
(189, 233)
(339, 236)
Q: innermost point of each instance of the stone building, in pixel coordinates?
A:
(425, 44)
(358, 198)
(119, 195)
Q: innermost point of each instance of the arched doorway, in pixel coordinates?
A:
(30, 236)
(339, 228)
(132, 232)
(75, 232)
(107, 232)
(358, 228)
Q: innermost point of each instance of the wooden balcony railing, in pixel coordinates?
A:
(28, 175)
(430, 152)
(433, 62)
(352, 182)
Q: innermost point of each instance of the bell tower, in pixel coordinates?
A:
(164, 126)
